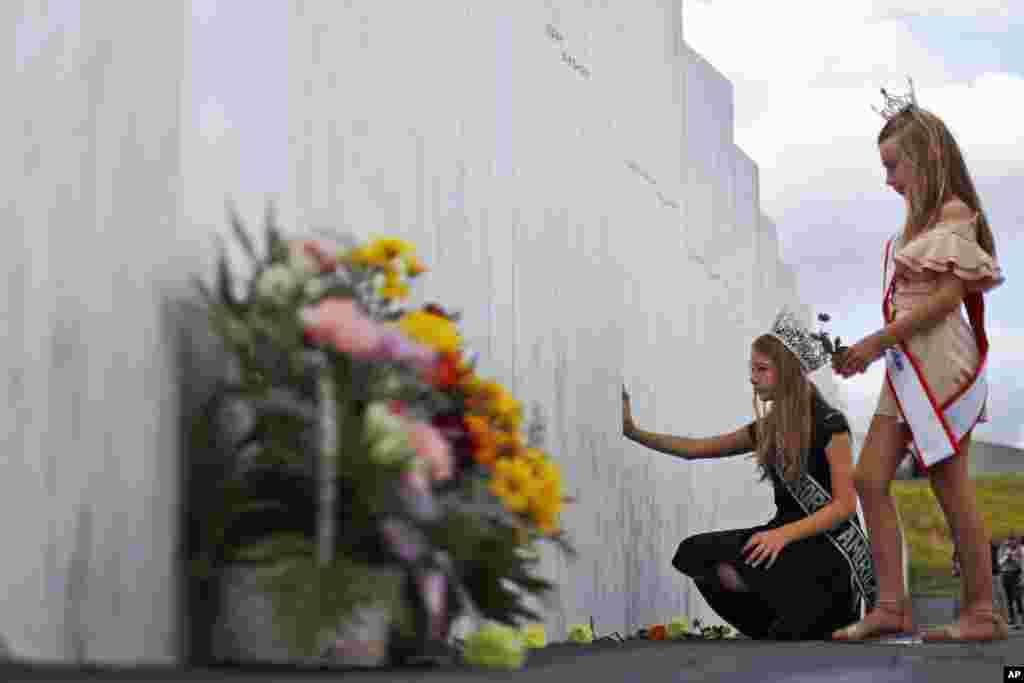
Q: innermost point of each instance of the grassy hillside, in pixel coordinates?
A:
(1001, 498)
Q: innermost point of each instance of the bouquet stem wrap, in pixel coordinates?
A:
(328, 468)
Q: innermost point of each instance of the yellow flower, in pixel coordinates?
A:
(581, 633)
(495, 646)
(366, 256)
(440, 334)
(513, 483)
(534, 636)
(414, 266)
(546, 497)
(392, 247)
(677, 628)
(400, 292)
(393, 287)
(506, 408)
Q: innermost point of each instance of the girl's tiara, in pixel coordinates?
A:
(897, 105)
(808, 347)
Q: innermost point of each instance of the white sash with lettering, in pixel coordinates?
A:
(936, 428)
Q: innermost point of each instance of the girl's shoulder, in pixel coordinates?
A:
(956, 213)
(829, 418)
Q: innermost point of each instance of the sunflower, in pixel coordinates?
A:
(513, 483)
(433, 331)
(392, 247)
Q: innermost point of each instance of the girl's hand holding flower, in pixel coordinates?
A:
(858, 357)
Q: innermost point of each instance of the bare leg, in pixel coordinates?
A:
(883, 450)
(955, 492)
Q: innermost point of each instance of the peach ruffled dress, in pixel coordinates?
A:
(948, 353)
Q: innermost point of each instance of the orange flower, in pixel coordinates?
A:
(657, 632)
(485, 449)
(444, 374)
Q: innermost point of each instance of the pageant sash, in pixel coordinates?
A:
(847, 536)
(936, 428)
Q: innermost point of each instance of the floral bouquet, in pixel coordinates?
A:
(369, 464)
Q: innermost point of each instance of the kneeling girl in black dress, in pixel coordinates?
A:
(807, 571)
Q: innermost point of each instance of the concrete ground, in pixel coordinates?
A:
(638, 660)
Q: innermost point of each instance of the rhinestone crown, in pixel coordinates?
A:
(796, 337)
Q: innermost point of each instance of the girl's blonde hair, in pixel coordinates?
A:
(790, 415)
(933, 153)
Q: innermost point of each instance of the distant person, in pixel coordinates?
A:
(999, 601)
(934, 392)
(1010, 572)
(805, 572)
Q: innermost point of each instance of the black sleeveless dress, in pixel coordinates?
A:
(808, 592)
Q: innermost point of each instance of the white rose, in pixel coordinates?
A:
(314, 288)
(380, 422)
(390, 449)
(277, 283)
(301, 262)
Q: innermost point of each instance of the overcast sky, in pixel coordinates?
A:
(804, 81)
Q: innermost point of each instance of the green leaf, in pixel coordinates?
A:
(309, 600)
(225, 283)
(276, 249)
(203, 290)
(241, 234)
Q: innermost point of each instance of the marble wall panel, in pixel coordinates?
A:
(566, 170)
(92, 456)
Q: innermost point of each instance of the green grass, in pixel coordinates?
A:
(1001, 499)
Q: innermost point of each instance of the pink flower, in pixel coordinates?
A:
(340, 323)
(415, 480)
(395, 346)
(317, 254)
(433, 448)
(433, 587)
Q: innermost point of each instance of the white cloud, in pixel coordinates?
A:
(204, 11)
(942, 8)
(213, 120)
(803, 96)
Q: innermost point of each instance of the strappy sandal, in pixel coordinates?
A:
(954, 632)
(865, 630)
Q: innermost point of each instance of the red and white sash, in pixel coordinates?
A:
(936, 428)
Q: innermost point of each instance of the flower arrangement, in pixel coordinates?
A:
(367, 441)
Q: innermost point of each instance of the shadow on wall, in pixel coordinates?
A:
(201, 362)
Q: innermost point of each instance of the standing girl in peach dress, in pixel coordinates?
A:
(935, 387)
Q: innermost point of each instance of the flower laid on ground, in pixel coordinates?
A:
(581, 633)
(495, 646)
(534, 636)
(677, 628)
(428, 464)
(717, 632)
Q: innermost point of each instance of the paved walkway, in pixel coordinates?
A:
(692, 660)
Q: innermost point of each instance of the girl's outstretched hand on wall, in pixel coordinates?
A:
(627, 415)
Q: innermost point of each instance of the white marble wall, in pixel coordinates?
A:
(566, 169)
(94, 268)
(570, 174)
